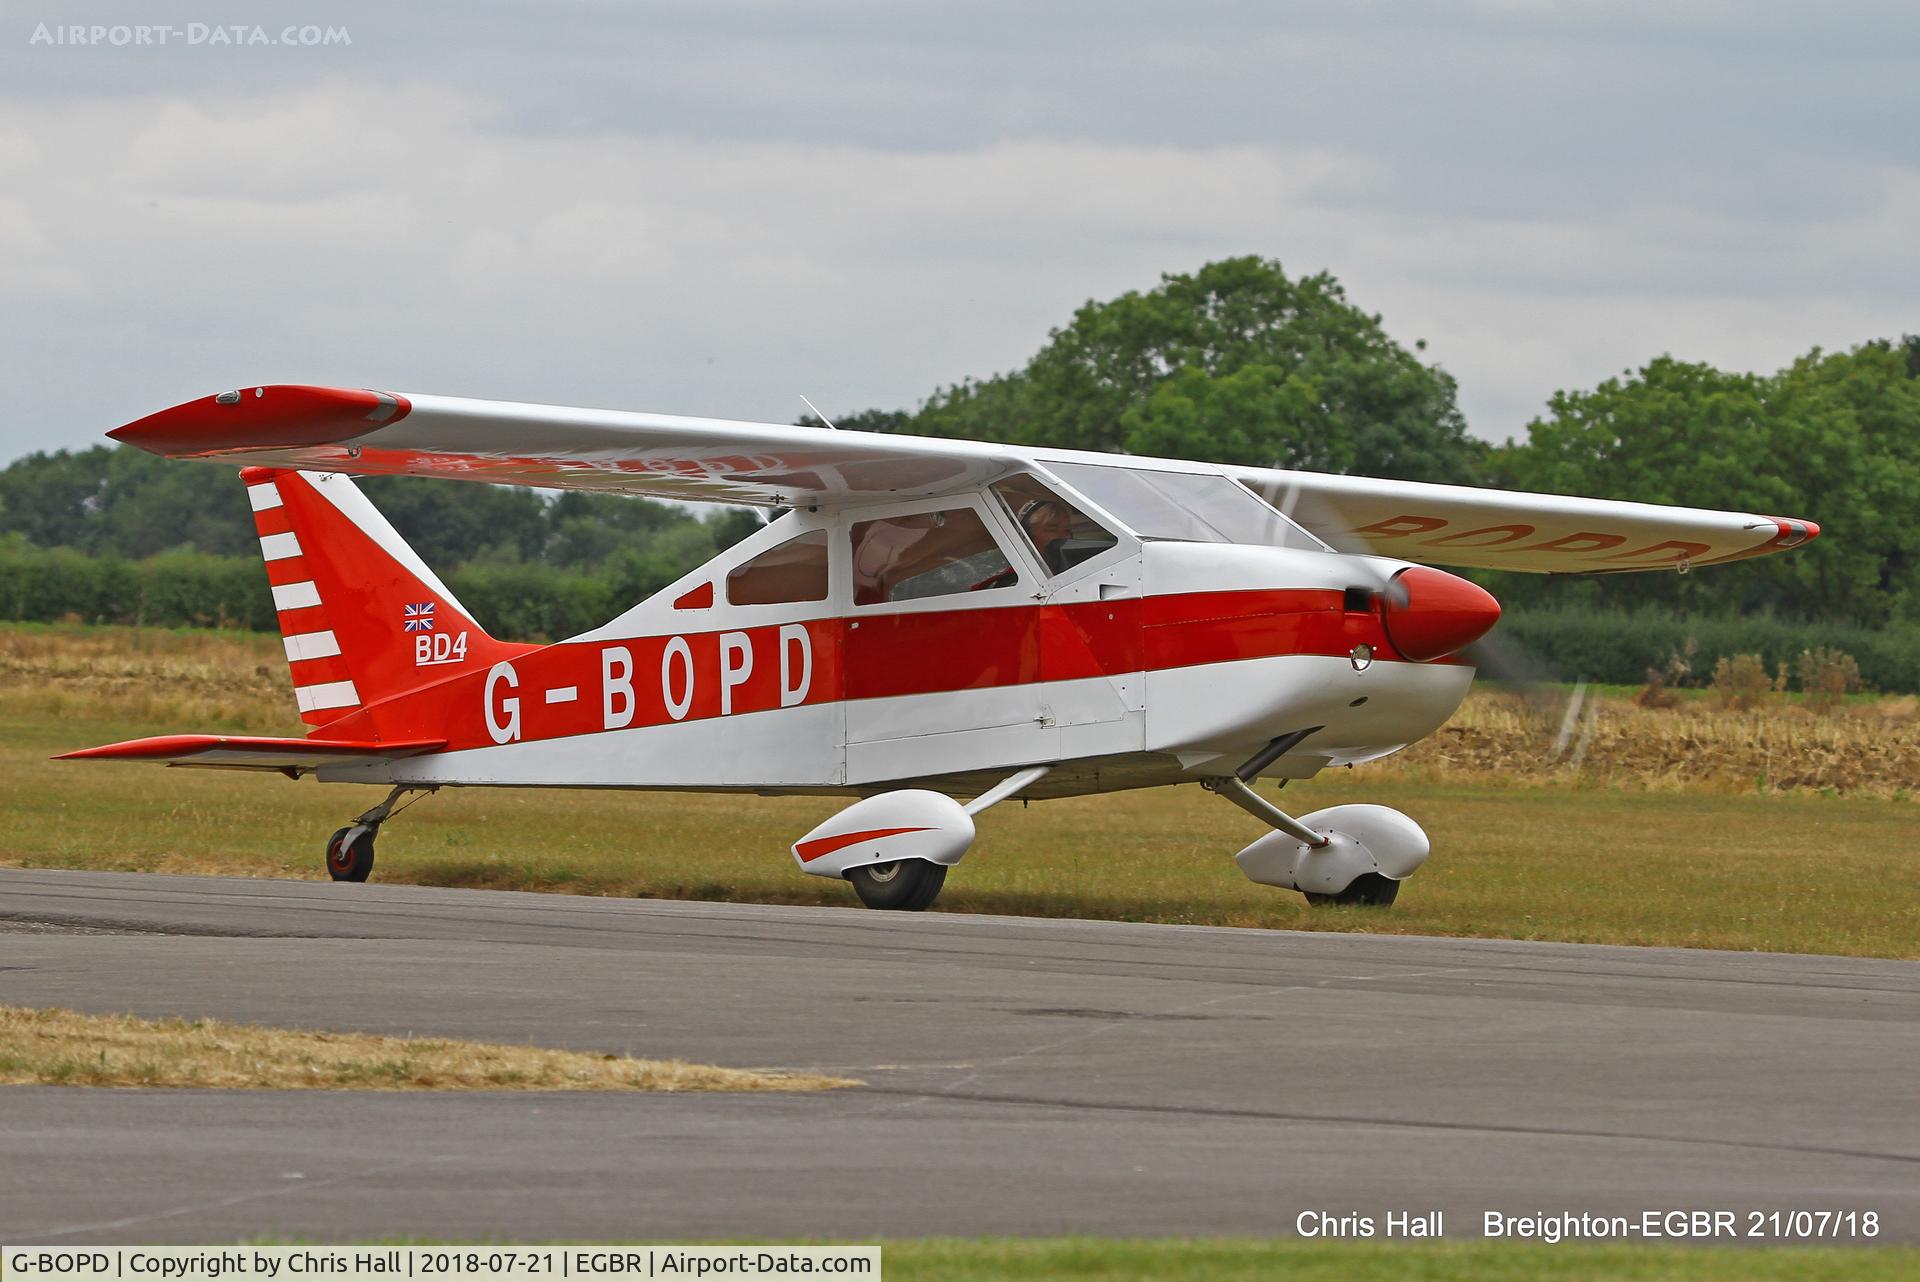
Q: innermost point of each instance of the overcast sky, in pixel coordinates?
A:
(712, 207)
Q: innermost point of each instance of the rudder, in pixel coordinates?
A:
(361, 615)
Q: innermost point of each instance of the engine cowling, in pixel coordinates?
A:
(909, 823)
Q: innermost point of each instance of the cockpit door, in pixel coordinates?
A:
(942, 644)
(1090, 616)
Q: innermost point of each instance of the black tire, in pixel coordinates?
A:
(1369, 890)
(350, 862)
(905, 885)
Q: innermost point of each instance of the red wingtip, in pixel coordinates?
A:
(268, 417)
(1793, 532)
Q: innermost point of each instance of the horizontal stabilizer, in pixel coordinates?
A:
(250, 752)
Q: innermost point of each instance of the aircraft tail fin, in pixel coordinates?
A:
(362, 616)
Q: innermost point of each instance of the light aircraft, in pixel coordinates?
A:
(928, 620)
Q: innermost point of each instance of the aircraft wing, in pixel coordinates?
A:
(375, 433)
(252, 752)
(1513, 530)
(369, 433)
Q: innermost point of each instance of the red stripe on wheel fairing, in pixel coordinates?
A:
(812, 850)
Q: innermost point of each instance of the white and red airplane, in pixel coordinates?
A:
(930, 619)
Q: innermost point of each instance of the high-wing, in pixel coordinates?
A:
(1514, 530)
(715, 460)
(371, 433)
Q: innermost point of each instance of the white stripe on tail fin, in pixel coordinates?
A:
(362, 616)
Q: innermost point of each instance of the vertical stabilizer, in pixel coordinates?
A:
(362, 616)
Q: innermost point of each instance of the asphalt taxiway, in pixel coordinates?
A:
(1023, 1076)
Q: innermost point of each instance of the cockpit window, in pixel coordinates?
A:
(907, 558)
(1061, 534)
(1191, 507)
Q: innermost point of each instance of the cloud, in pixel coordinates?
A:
(710, 209)
(386, 234)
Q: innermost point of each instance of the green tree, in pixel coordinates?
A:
(1236, 362)
(1869, 550)
(1259, 415)
(863, 421)
(1834, 438)
(589, 529)
(124, 502)
(150, 504)
(453, 523)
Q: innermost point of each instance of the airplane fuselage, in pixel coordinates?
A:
(1156, 665)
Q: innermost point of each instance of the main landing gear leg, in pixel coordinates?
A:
(1237, 791)
(350, 851)
(1353, 854)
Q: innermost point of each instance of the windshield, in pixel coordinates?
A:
(1190, 507)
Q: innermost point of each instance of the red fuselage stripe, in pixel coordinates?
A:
(575, 688)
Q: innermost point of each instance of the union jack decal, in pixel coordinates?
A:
(419, 618)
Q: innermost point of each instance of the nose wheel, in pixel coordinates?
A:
(350, 850)
(1369, 890)
(1354, 855)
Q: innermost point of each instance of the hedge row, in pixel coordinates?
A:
(533, 603)
(1618, 647)
(192, 589)
(175, 589)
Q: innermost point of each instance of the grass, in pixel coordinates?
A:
(1227, 1260)
(63, 1048)
(1776, 831)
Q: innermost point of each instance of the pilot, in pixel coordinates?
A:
(1049, 524)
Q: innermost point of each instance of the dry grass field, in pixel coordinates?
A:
(1778, 829)
(65, 1048)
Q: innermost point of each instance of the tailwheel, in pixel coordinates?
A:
(350, 853)
(1369, 890)
(905, 885)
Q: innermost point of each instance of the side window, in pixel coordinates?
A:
(927, 554)
(1061, 534)
(792, 571)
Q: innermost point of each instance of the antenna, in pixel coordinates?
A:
(816, 412)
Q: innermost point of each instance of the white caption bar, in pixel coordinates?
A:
(452, 1263)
